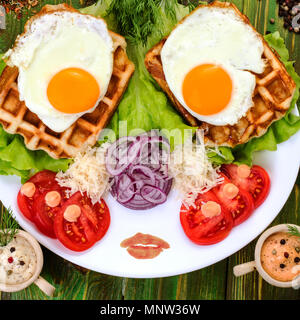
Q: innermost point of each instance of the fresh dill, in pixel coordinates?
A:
(293, 231)
(137, 19)
(8, 226)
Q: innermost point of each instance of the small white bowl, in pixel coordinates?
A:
(44, 285)
(245, 268)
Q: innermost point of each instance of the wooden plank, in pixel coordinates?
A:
(208, 283)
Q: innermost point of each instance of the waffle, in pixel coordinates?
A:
(271, 99)
(16, 118)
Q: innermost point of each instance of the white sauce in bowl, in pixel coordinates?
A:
(18, 261)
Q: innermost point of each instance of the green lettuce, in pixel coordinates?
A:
(16, 159)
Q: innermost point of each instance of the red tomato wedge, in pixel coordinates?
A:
(44, 181)
(257, 184)
(90, 227)
(240, 206)
(205, 230)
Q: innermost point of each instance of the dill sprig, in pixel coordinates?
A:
(8, 226)
(293, 231)
(137, 19)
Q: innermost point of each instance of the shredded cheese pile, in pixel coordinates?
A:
(192, 171)
(87, 174)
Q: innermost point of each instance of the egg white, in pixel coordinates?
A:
(56, 42)
(215, 36)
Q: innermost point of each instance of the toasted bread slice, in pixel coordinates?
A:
(15, 117)
(271, 99)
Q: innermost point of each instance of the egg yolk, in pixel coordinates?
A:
(73, 90)
(207, 89)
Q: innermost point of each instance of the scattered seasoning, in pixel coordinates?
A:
(12, 249)
(22, 263)
(17, 6)
(297, 259)
(282, 241)
(286, 255)
(297, 249)
(282, 266)
(289, 9)
(9, 272)
(274, 251)
(10, 259)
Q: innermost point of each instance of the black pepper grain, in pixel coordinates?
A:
(286, 255)
(22, 263)
(282, 241)
(282, 266)
(12, 249)
(297, 259)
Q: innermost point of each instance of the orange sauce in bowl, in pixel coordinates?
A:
(280, 256)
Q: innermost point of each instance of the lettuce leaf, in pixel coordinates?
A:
(16, 159)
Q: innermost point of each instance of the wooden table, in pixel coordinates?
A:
(214, 282)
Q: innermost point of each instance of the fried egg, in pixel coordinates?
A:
(209, 60)
(65, 62)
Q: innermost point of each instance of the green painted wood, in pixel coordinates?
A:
(214, 282)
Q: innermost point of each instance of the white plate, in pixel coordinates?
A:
(163, 221)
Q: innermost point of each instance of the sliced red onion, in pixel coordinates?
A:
(153, 194)
(138, 165)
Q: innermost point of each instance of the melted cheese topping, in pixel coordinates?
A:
(87, 174)
(192, 171)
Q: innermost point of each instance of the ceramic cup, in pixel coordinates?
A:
(44, 285)
(245, 268)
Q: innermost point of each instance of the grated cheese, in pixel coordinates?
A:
(192, 171)
(87, 174)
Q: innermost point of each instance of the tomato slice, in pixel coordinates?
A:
(44, 215)
(44, 181)
(201, 229)
(257, 184)
(89, 228)
(240, 207)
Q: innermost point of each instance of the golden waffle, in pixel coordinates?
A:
(272, 96)
(15, 117)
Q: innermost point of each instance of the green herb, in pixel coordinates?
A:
(8, 226)
(293, 231)
(138, 19)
